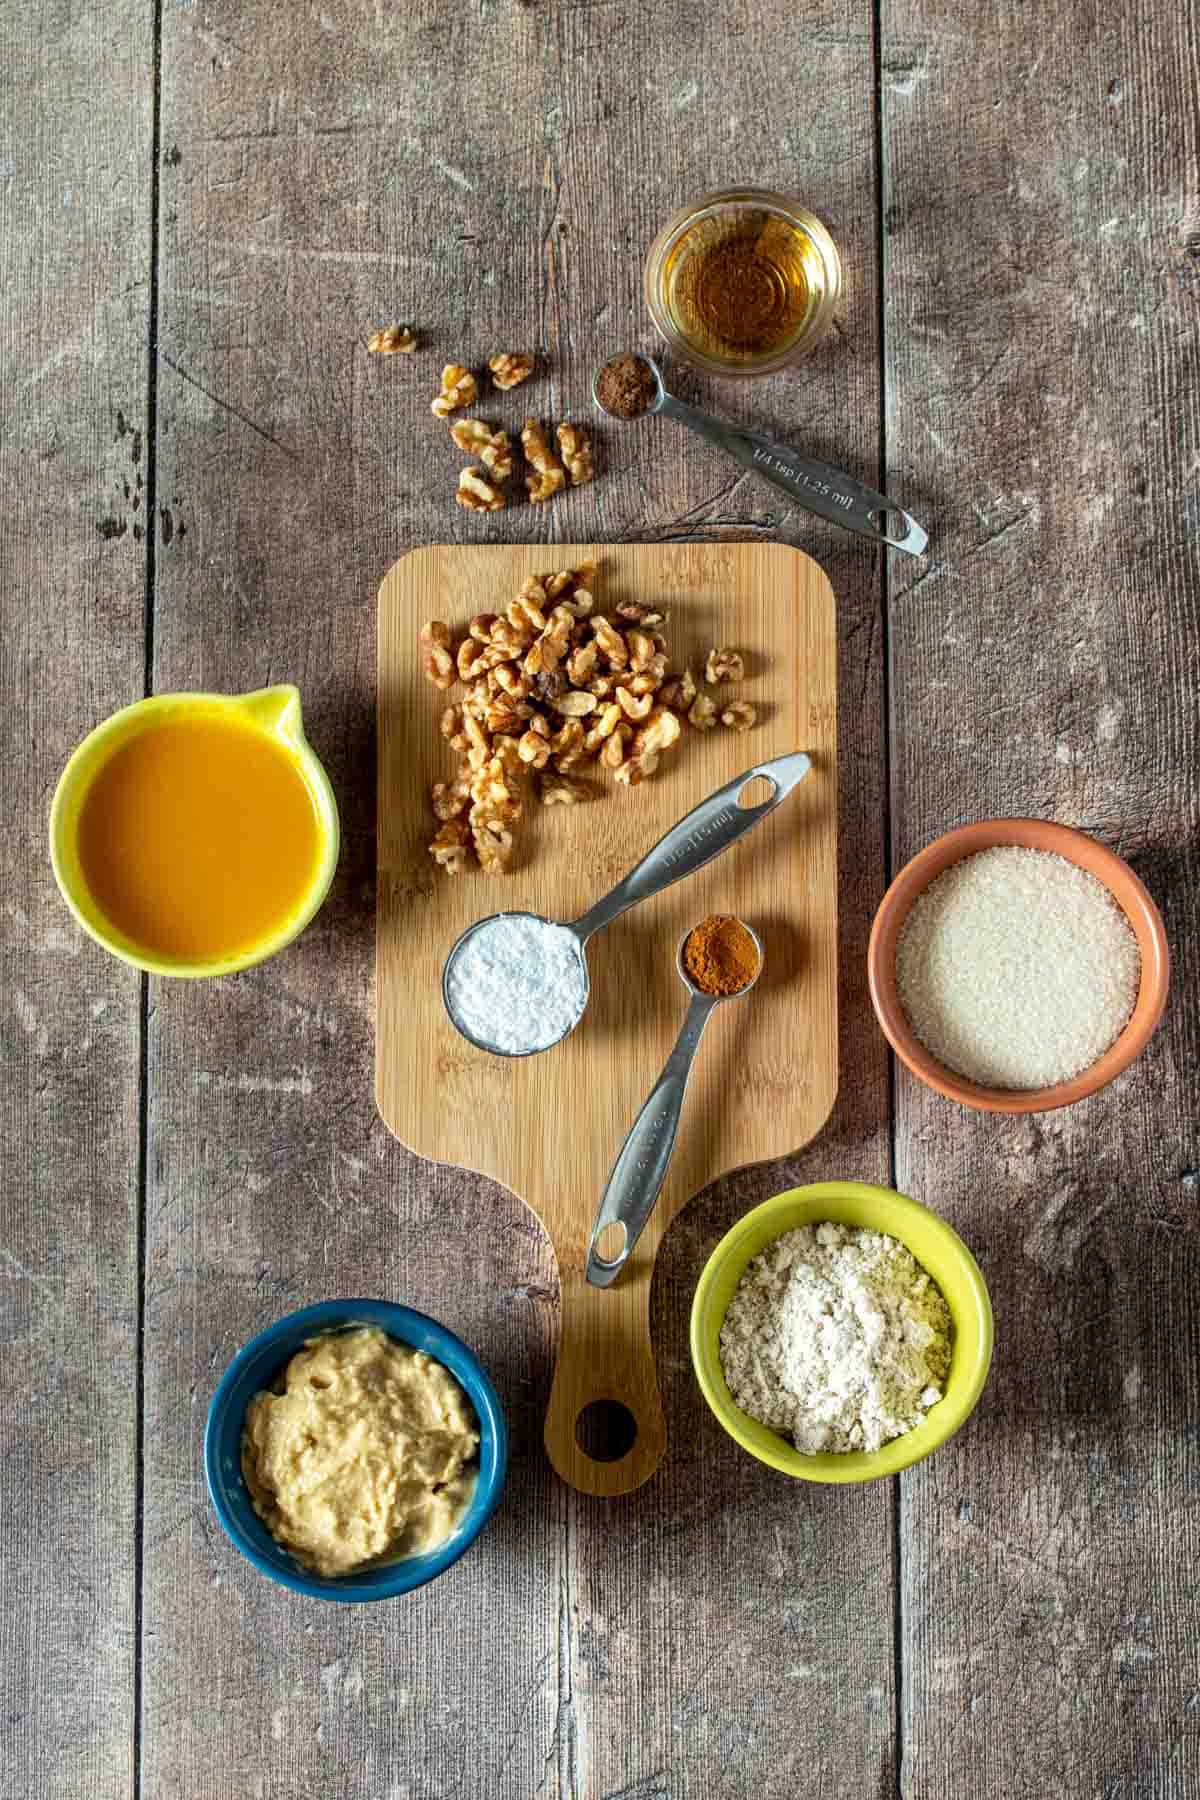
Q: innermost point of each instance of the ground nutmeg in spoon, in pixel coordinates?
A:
(720, 956)
(626, 386)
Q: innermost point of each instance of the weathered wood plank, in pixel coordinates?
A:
(318, 182)
(74, 213)
(1042, 362)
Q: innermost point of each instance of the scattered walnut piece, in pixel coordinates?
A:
(613, 753)
(634, 706)
(510, 368)
(679, 692)
(534, 749)
(740, 716)
(723, 665)
(636, 769)
(661, 730)
(564, 790)
(610, 643)
(493, 844)
(478, 494)
(452, 727)
(637, 614)
(391, 339)
(449, 847)
(576, 445)
(702, 713)
(493, 448)
(449, 798)
(458, 389)
(547, 476)
(435, 654)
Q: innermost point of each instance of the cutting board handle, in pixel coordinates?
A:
(604, 1356)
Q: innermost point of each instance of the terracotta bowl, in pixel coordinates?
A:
(1033, 834)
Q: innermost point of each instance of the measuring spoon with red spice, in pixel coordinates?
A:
(631, 386)
(714, 966)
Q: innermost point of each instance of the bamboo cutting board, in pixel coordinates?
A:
(550, 1126)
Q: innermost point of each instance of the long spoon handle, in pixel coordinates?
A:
(707, 830)
(632, 1189)
(818, 488)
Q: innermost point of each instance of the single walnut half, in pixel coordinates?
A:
(636, 614)
(491, 447)
(679, 692)
(564, 790)
(613, 753)
(478, 494)
(574, 705)
(568, 744)
(449, 798)
(661, 730)
(634, 706)
(576, 446)
(493, 844)
(610, 642)
(636, 769)
(534, 749)
(607, 721)
(723, 665)
(436, 659)
(452, 728)
(547, 477)
(391, 339)
(510, 368)
(702, 713)
(449, 847)
(458, 389)
(741, 716)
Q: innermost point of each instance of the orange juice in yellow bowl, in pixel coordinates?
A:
(196, 834)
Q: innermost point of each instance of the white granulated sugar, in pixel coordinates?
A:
(518, 983)
(837, 1338)
(1017, 969)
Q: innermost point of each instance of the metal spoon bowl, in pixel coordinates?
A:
(632, 1190)
(829, 493)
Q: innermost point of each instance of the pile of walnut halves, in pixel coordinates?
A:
(551, 685)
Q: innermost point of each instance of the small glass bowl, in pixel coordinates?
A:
(667, 258)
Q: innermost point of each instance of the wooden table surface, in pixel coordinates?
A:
(204, 207)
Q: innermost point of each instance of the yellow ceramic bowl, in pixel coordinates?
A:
(940, 1252)
(274, 710)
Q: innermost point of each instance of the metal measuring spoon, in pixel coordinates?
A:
(706, 831)
(818, 488)
(632, 1190)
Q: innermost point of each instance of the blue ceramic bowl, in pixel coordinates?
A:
(255, 1367)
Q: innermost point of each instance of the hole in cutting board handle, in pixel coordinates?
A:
(605, 1430)
(756, 792)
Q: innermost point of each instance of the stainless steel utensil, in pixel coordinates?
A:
(707, 830)
(632, 1190)
(818, 488)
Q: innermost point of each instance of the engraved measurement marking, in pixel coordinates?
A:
(695, 840)
(802, 480)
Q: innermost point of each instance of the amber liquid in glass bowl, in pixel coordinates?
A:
(742, 283)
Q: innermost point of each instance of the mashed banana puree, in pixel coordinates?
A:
(363, 1453)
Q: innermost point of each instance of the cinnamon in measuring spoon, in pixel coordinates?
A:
(720, 956)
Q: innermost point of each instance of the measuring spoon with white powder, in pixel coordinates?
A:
(516, 983)
(631, 1192)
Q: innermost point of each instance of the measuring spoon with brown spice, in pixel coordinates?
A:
(631, 386)
(720, 959)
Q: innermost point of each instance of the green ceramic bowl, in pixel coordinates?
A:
(940, 1252)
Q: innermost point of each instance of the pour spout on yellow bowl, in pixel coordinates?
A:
(275, 709)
